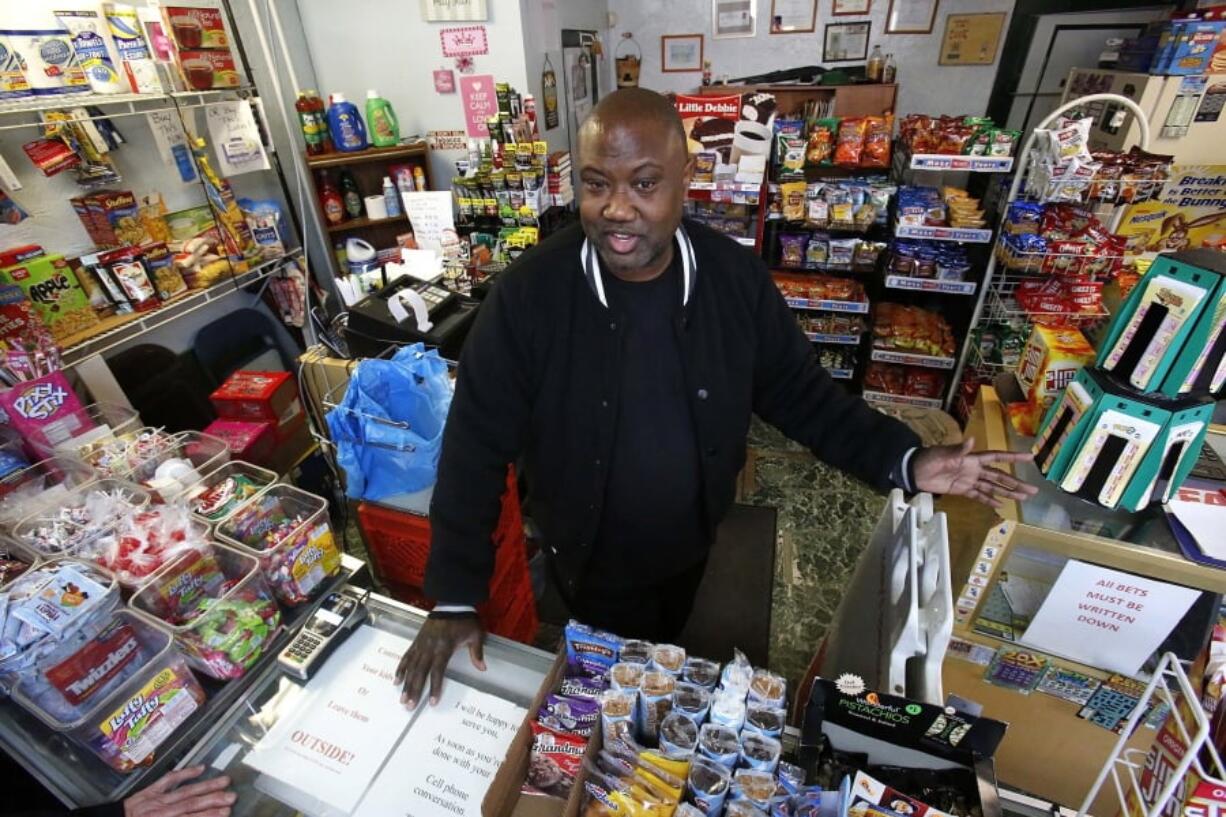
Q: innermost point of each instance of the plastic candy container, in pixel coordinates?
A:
(121, 695)
(217, 605)
(119, 456)
(288, 530)
(78, 432)
(168, 466)
(49, 612)
(43, 485)
(15, 559)
(146, 541)
(86, 514)
(220, 492)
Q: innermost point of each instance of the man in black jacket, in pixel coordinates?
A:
(622, 362)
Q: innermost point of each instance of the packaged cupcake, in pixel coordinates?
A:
(760, 752)
(617, 715)
(627, 676)
(719, 744)
(701, 672)
(655, 701)
(765, 719)
(708, 783)
(636, 652)
(667, 658)
(678, 735)
(766, 687)
(692, 701)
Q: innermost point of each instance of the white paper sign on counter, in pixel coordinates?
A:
(1107, 618)
(446, 761)
(330, 747)
(430, 213)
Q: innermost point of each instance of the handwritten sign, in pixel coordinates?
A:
(466, 41)
(432, 220)
(330, 747)
(446, 140)
(445, 763)
(235, 137)
(480, 103)
(971, 39)
(1106, 618)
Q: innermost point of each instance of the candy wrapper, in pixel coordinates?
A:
(147, 540)
(123, 454)
(591, 651)
(575, 716)
(86, 515)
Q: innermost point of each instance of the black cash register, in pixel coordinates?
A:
(375, 322)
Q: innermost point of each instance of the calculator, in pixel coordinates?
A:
(327, 627)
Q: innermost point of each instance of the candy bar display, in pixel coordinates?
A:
(901, 328)
(939, 260)
(944, 207)
(820, 288)
(81, 517)
(219, 493)
(1063, 169)
(288, 530)
(1058, 239)
(217, 604)
(906, 381)
(956, 135)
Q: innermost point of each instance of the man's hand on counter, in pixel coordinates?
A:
(954, 469)
(429, 653)
(208, 798)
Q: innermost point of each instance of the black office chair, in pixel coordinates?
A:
(168, 390)
(234, 340)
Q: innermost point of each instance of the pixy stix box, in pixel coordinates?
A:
(1149, 332)
(1200, 367)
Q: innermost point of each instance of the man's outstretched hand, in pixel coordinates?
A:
(429, 653)
(953, 469)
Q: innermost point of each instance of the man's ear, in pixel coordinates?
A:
(688, 173)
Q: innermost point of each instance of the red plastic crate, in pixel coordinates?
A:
(518, 623)
(399, 543)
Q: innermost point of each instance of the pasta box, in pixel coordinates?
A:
(249, 395)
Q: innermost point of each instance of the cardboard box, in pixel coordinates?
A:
(206, 70)
(194, 28)
(249, 441)
(248, 395)
(323, 378)
(35, 404)
(1050, 360)
(58, 298)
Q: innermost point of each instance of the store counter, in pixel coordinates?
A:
(237, 714)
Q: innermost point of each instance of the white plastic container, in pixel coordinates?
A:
(45, 484)
(76, 433)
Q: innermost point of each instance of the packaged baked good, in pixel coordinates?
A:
(692, 701)
(765, 719)
(792, 250)
(704, 166)
(700, 672)
(636, 652)
(719, 744)
(708, 783)
(655, 701)
(678, 735)
(760, 752)
(752, 784)
(589, 650)
(555, 760)
(617, 708)
(667, 658)
(575, 716)
(727, 709)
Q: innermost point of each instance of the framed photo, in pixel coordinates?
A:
(911, 16)
(680, 52)
(846, 42)
(734, 18)
(845, 8)
(793, 16)
(433, 11)
(971, 39)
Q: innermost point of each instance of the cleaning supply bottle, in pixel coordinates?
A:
(391, 198)
(351, 194)
(419, 178)
(384, 129)
(314, 129)
(360, 256)
(346, 126)
(330, 199)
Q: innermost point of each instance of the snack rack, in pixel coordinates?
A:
(997, 302)
(744, 229)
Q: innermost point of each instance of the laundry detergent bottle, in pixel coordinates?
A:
(345, 125)
(381, 119)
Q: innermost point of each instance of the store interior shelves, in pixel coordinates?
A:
(835, 340)
(912, 359)
(119, 329)
(930, 285)
(968, 235)
(62, 101)
(361, 223)
(340, 159)
(884, 399)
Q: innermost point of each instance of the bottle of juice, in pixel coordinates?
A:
(419, 178)
(351, 194)
(317, 105)
(381, 119)
(330, 199)
(314, 128)
(876, 62)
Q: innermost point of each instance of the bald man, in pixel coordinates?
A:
(622, 359)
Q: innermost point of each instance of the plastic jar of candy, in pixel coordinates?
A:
(181, 463)
(15, 559)
(144, 541)
(58, 607)
(288, 530)
(123, 699)
(43, 485)
(120, 455)
(76, 433)
(222, 491)
(218, 606)
(87, 512)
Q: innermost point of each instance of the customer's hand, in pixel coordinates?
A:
(429, 653)
(953, 469)
(208, 798)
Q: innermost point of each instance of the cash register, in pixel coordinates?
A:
(408, 311)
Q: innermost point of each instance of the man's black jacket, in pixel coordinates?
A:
(539, 375)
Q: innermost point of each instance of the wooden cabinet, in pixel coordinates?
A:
(869, 99)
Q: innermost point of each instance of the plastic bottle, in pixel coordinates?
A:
(314, 130)
(351, 194)
(391, 198)
(346, 126)
(419, 178)
(381, 119)
(875, 63)
(889, 72)
(342, 259)
(330, 199)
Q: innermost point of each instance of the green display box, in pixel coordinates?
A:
(1200, 367)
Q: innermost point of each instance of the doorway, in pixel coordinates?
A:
(580, 82)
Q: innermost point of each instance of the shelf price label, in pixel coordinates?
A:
(967, 234)
(974, 164)
(930, 285)
(908, 359)
(882, 398)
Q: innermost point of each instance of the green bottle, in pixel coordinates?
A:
(381, 121)
(351, 195)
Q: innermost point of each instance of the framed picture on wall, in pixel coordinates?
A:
(846, 8)
(680, 53)
(793, 16)
(911, 16)
(734, 18)
(433, 11)
(846, 42)
(971, 39)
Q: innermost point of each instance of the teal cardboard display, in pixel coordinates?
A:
(1061, 430)
(1200, 367)
(1151, 329)
(1172, 456)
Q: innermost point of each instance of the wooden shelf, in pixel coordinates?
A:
(362, 223)
(340, 159)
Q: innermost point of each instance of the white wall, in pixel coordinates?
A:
(385, 44)
(925, 86)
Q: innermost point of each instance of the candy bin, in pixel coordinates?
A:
(172, 468)
(122, 695)
(218, 606)
(121, 455)
(76, 433)
(219, 493)
(45, 484)
(86, 514)
(144, 542)
(15, 559)
(288, 529)
(50, 611)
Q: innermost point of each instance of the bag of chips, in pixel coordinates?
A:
(850, 147)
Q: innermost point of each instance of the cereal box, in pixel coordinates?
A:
(205, 70)
(57, 297)
(1051, 359)
(194, 28)
(18, 321)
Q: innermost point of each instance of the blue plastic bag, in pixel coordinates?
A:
(388, 430)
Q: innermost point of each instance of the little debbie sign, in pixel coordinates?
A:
(1106, 618)
(479, 101)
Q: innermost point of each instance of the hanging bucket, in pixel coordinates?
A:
(629, 59)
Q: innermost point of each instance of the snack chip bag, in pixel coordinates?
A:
(850, 145)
